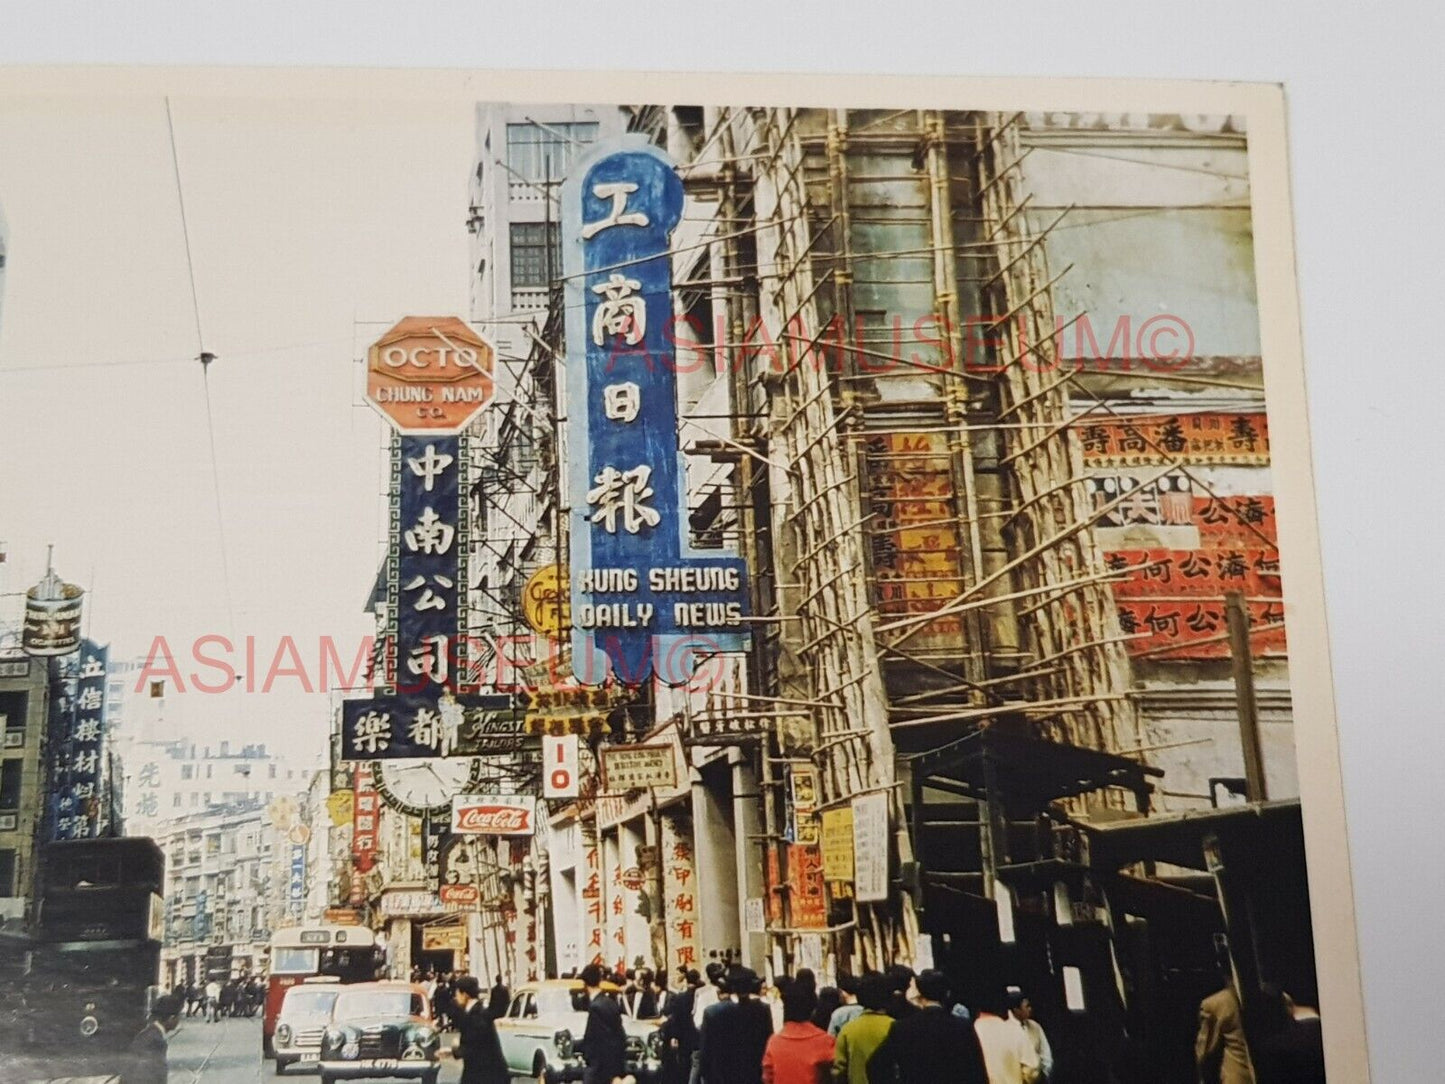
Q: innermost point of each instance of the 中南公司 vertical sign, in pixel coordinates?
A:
(642, 600)
(426, 583)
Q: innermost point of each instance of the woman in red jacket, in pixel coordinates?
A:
(801, 1053)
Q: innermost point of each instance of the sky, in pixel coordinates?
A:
(311, 229)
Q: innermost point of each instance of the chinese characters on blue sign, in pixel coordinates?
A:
(78, 729)
(642, 599)
(423, 656)
(424, 707)
(296, 903)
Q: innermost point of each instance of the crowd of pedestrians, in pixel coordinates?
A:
(214, 1000)
(894, 1027)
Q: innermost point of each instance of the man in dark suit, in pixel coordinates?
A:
(929, 1044)
(146, 1058)
(498, 1000)
(735, 1033)
(604, 1042)
(477, 1042)
(679, 1032)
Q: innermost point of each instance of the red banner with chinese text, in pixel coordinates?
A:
(914, 533)
(1149, 439)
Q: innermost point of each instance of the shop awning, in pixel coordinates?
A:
(1178, 838)
(1024, 772)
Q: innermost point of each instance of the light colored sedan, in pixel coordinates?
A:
(545, 1021)
(305, 1012)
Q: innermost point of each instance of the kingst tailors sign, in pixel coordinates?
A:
(643, 601)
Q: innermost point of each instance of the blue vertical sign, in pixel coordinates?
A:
(643, 600)
(78, 733)
(425, 589)
(424, 654)
(297, 901)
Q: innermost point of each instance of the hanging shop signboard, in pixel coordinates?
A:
(79, 756)
(409, 903)
(366, 818)
(914, 533)
(723, 728)
(643, 600)
(561, 766)
(638, 767)
(52, 617)
(444, 938)
(870, 847)
(410, 728)
(494, 814)
(545, 604)
(460, 896)
(296, 893)
(802, 804)
(837, 844)
(430, 375)
(1196, 437)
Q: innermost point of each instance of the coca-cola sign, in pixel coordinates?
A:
(494, 814)
(460, 895)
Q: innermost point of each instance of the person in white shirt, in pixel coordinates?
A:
(213, 1001)
(1008, 1054)
(1022, 1010)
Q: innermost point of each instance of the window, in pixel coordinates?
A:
(187, 771)
(537, 153)
(7, 873)
(176, 800)
(13, 707)
(529, 254)
(10, 784)
(272, 768)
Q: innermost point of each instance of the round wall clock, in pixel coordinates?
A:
(426, 785)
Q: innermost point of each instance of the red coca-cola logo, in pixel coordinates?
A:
(497, 819)
(460, 894)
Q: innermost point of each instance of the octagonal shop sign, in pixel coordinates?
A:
(430, 375)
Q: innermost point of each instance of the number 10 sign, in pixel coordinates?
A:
(559, 766)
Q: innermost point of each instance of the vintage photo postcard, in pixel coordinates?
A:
(663, 579)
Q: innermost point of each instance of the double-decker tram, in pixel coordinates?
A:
(81, 984)
(322, 953)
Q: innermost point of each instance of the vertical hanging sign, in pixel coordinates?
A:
(425, 584)
(643, 600)
(430, 377)
(84, 753)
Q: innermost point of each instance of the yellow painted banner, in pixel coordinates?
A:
(838, 844)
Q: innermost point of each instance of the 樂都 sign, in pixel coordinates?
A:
(413, 727)
(643, 600)
(494, 814)
(430, 375)
(638, 767)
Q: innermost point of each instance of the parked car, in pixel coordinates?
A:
(546, 1019)
(380, 1029)
(305, 1012)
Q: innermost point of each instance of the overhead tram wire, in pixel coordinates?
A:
(205, 358)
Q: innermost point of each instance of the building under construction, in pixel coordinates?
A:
(978, 398)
